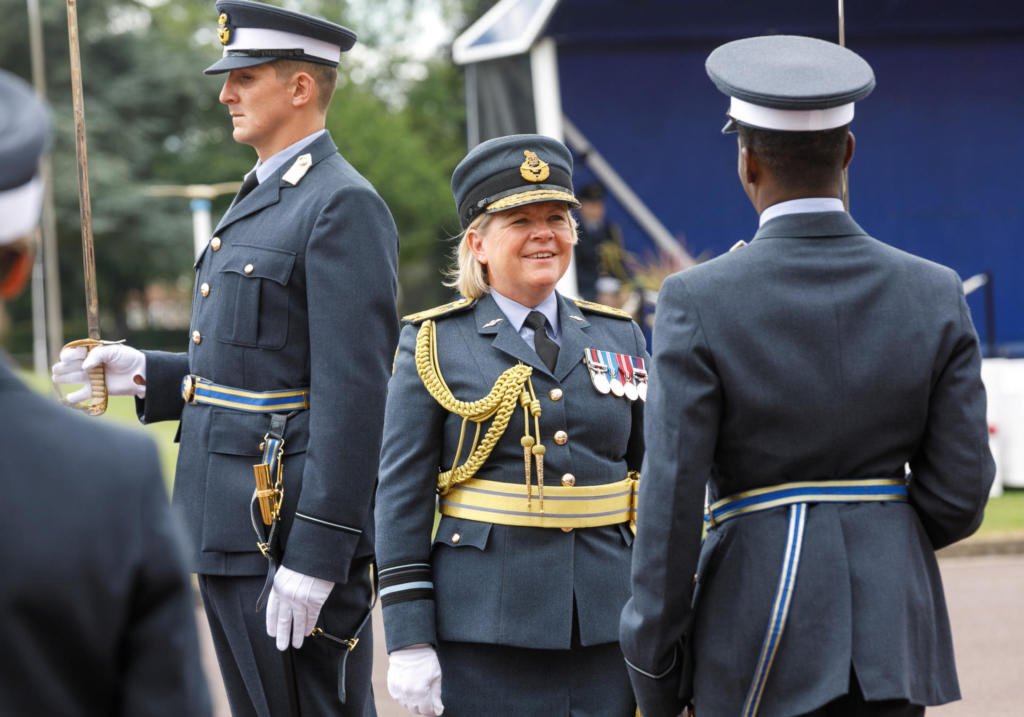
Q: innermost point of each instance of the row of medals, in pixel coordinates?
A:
(609, 376)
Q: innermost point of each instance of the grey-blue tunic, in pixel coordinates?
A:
(498, 584)
(816, 352)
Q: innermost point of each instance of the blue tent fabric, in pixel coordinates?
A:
(934, 171)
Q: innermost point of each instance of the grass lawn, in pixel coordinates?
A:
(1004, 514)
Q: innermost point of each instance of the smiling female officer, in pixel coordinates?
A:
(519, 411)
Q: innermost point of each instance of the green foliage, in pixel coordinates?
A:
(152, 117)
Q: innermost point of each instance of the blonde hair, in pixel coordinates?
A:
(466, 274)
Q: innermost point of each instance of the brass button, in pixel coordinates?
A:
(555, 394)
(566, 530)
(456, 537)
(568, 480)
(196, 337)
(215, 243)
(204, 289)
(561, 437)
(248, 268)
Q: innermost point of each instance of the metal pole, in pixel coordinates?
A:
(47, 328)
(842, 43)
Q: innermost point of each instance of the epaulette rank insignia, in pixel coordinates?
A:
(738, 245)
(596, 308)
(438, 311)
(298, 169)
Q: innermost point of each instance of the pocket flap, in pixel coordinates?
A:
(462, 533)
(237, 433)
(260, 262)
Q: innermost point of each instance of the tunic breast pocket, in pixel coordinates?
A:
(253, 309)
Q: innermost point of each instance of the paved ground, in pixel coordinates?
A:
(984, 594)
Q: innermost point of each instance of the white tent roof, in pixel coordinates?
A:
(509, 28)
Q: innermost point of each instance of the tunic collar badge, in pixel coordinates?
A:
(298, 169)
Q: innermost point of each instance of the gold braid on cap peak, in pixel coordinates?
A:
(513, 386)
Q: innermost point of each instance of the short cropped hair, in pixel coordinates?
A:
(467, 275)
(798, 159)
(325, 77)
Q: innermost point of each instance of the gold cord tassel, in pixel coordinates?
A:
(538, 454)
(499, 404)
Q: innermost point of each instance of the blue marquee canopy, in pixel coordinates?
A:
(937, 142)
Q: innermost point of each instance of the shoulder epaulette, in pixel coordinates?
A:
(595, 308)
(451, 307)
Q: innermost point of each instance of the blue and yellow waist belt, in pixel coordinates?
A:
(269, 491)
(797, 496)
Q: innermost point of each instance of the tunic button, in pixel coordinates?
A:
(215, 243)
(204, 289)
(456, 537)
(555, 394)
(196, 337)
(248, 268)
(568, 480)
(561, 437)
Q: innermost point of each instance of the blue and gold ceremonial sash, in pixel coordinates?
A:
(796, 496)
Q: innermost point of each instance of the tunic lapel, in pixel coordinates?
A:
(269, 191)
(574, 337)
(491, 321)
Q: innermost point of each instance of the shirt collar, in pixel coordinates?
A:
(516, 312)
(802, 206)
(265, 169)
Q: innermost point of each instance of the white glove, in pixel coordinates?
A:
(414, 679)
(122, 364)
(294, 606)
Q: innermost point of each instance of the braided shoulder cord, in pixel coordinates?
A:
(499, 403)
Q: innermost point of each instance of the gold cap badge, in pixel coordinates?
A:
(223, 31)
(533, 168)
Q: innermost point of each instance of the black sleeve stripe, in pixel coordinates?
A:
(399, 566)
(406, 574)
(327, 523)
(406, 596)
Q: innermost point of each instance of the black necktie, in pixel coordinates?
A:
(250, 183)
(545, 347)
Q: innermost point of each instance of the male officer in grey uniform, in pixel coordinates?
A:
(294, 326)
(95, 603)
(796, 377)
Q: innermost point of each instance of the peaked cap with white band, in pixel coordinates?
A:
(789, 83)
(24, 136)
(254, 33)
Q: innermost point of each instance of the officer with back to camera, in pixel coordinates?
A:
(96, 606)
(294, 326)
(797, 376)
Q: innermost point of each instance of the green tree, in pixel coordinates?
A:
(152, 117)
